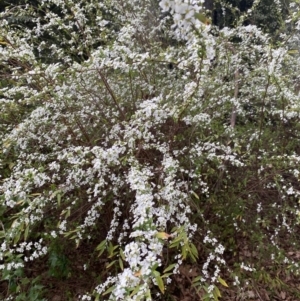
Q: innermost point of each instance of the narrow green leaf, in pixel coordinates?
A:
(160, 284)
(198, 278)
(166, 275)
(122, 254)
(135, 291)
(175, 241)
(216, 293)
(109, 290)
(17, 237)
(195, 195)
(184, 252)
(101, 246)
(68, 213)
(110, 250)
(58, 199)
(169, 268)
(110, 264)
(222, 281)
(26, 233)
(121, 263)
(163, 235)
(70, 233)
(194, 250)
(156, 273)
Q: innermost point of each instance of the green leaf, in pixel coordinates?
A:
(66, 234)
(135, 291)
(293, 51)
(26, 232)
(206, 297)
(110, 264)
(216, 293)
(202, 18)
(68, 213)
(198, 278)
(160, 284)
(169, 268)
(194, 250)
(163, 235)
(121, 263)
(166, 275)
(222, 281)
(109, 290)
(17, 237)
(122, 254)
(111, 249)
(184, 252)
(176, 241)
(154, 267)
(11, 165)
(148, 294)
(156, 273)
(25, 281)
(3, 42)
(35, 194)
(101, 246)
(58, 199)
(195, 195)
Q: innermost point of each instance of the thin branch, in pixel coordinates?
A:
(236, 92)
(110, 91)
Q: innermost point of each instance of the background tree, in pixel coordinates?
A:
(267, 15)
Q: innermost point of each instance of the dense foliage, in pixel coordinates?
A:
(269, 15)
(143, 146)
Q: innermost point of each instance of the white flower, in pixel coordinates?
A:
(166, 5)
(181, 8)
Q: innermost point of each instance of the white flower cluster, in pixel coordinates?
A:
(214, 256)
(183, 12)
(121, 128)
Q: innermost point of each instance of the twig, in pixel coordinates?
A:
(110, 91)
(236, 92)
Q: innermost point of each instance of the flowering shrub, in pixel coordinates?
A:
(143, 138)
